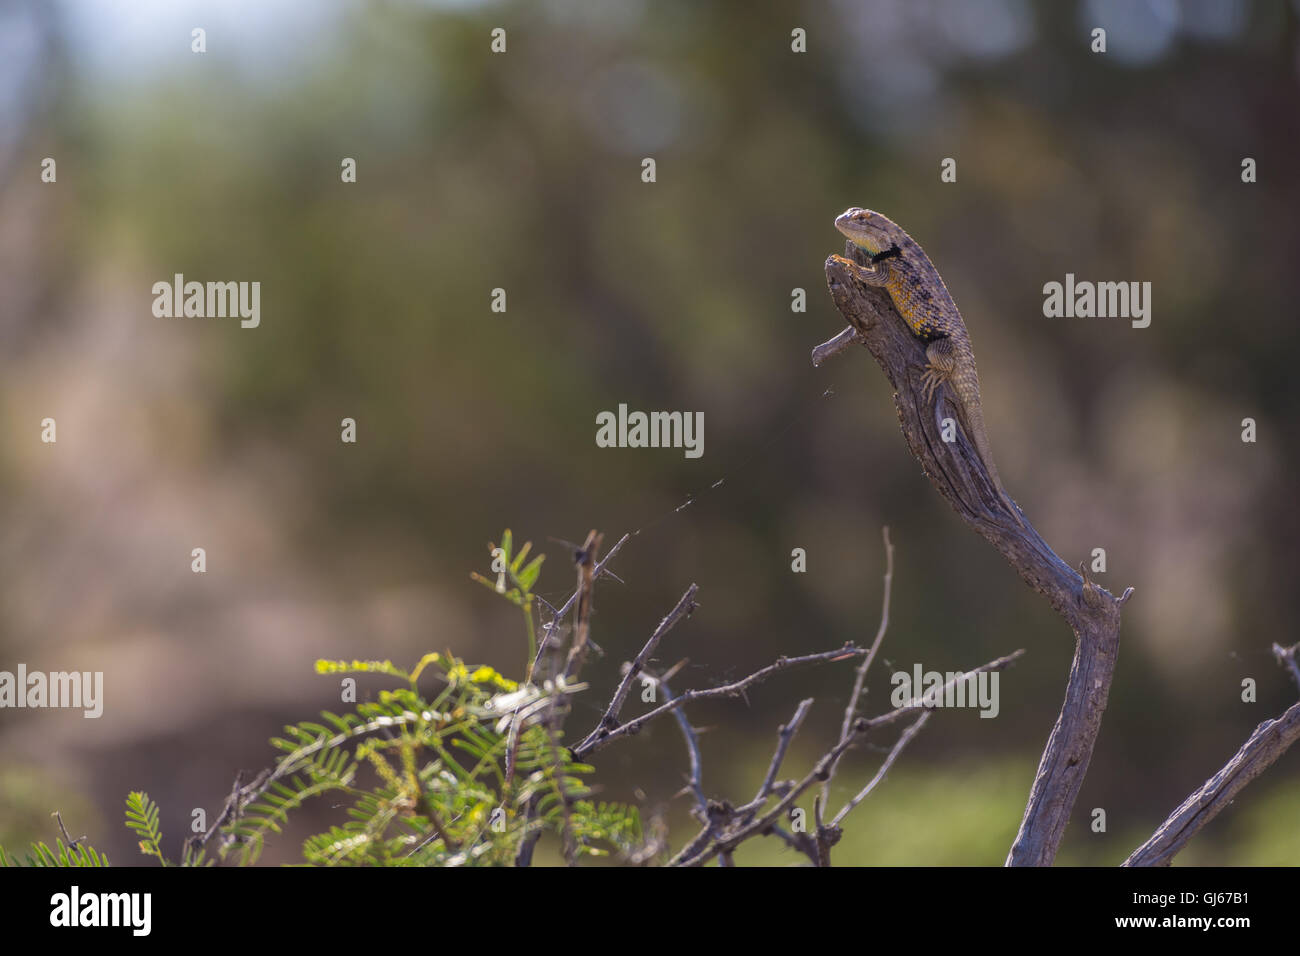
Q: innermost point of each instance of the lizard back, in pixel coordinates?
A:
(919, 293)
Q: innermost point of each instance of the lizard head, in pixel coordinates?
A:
(868, 230)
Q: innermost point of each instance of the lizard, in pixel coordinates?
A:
(901, 267)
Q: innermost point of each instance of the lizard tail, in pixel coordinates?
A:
(973, 412)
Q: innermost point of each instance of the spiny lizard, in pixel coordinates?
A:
(901, 267)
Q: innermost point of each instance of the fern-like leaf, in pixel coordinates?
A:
(142, 817)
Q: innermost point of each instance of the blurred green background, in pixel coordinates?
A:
(522, 171)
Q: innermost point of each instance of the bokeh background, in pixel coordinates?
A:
(522, 171)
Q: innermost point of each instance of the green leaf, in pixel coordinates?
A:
(142, 817)
(528, 576)
(519, 558)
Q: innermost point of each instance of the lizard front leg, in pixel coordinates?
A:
(943, 362)
(940, 352)
(876, 275)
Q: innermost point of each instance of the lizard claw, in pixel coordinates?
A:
(929, 382)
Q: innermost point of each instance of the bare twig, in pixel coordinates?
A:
(605, 735)
(827, 837)
(685, 605)
(585, 561)
(581, 596)
(241, 796)
(558, 616)
(785, 734)
(770, 787)
(799, 842)
(1286, 657)
(860, 679)
(695, 784)
(1269, 741)
(904, 739)
(725, 839)
(586, 558)
(718, 814)
(841, 343)
(728, 843)
(67, 837)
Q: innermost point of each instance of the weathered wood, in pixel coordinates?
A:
(954, 468)
(1270, 740)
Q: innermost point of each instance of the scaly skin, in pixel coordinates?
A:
(902, 268)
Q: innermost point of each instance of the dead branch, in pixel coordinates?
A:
(1269, 741)
(851, 711)
(685, 605)
(601, 736)
(585, 562)
(903, 740)
(692, 738)
(720, 836)
(954, 468)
